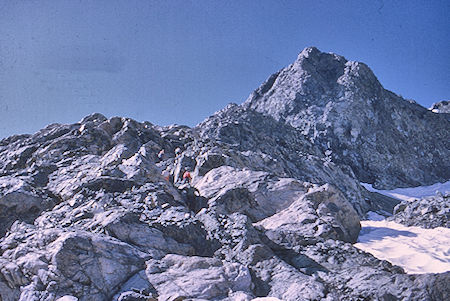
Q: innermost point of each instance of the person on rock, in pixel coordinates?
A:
(161, 155)
(186, 177)
(166, 175)
(192, 198)
(177, 151)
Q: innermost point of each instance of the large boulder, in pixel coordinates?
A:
(54, 263)
(197, 277)
(275, 277)
(321, 212)
(256, 193)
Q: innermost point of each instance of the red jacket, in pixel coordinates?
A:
(187, 174)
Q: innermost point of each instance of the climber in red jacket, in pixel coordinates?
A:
(187, 177)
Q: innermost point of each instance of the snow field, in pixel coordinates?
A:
(412, 193)
(415, 249)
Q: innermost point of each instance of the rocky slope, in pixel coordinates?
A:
(86, 213)
(341, 107)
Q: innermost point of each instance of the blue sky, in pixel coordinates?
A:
(180, 61)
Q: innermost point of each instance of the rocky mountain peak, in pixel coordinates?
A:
(312, 58)
(311, 50)
(342, 108)
(312, 79)
(94, 117)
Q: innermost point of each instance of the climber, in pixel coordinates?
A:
(166, 175)
(186, 177)
(177, 151)
(161, 155)
(192, 198)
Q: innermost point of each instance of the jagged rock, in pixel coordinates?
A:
(354, 275)
(441, 107)
(341, 107)
(322, 212)
(274, 277)
(380, 203)
(197, 277)
(126, 226)
(180, 226)
(135, 296)
(265, 193)
(430, 212)
(21, 201)
(256, 196)
(234, 232)
(250, 140)
(282, 202)
(136, 288)
(84, 265)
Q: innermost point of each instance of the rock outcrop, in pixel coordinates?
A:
(428, 213)
(441, 107)
(321, 212)
(94, 211)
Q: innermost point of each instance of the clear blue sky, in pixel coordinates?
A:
(180, 61)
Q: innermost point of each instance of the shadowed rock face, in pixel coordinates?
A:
(341, 107)
(86, 214)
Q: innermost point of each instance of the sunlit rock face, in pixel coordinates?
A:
(95, 211)
(441, 107)
(342, 108)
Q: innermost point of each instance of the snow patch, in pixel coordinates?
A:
(415, 249)
(373, 216)
(68, 298)
(412, 193)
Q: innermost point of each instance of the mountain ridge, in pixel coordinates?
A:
(104, 209)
